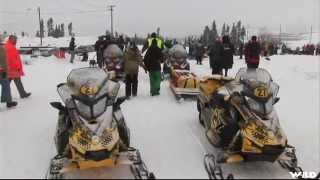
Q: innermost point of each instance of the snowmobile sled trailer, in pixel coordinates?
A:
(183, 83)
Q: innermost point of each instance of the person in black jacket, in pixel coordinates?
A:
(99, 48)
(215, 57)
(152, 61)
(199, 52)
(241, 50)
(72, 47)
(227, 54)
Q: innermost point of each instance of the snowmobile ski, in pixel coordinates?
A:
(129, 161)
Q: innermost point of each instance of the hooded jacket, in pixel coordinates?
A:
(15, 69)
(132, 60)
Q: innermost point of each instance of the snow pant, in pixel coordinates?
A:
(155, 81)
(19, 86)
(199, 60)
(131, 84)
(5, 91)
(216, 68)
(72, 53)
(241, 55)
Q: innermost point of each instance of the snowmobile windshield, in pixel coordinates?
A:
(112, 52)
(91, 92)
(259, 89)
(178, 52)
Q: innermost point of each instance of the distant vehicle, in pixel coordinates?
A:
(84, 49)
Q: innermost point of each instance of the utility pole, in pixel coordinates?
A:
(280, 34)
(310, 40)
(111, 8)
(41, 33)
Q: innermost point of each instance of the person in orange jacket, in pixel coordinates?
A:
(15, 68)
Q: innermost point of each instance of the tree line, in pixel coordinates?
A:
(54, 30)
(236, 32)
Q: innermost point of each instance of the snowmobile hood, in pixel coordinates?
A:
(112, 52)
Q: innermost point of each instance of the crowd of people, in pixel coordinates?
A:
(11, 69)
(220, 52)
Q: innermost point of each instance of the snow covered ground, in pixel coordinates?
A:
(167, 133)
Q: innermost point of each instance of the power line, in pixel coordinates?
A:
(53, 12)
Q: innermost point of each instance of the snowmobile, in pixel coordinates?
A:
(183, 82)
(114, 63)
(240, 119)
(92, 138)
(177, 59)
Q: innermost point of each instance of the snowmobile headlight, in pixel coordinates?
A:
(269, 106)
(90, 108)
(255, 105)
(262, 108)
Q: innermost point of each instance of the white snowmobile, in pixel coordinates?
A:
(92, 138)
(240, 119)
(114, 63)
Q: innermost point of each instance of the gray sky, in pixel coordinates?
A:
(176, 18)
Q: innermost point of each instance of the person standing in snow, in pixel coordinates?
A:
(215, 56)
(241, 50)
(252, 53)
(227, 54)
(15, 68)
(152, 61)
(4, 82)
(199, 52)
(159, 42)
(99, 47)
(72, 47)
(132, 61)
(121, 43)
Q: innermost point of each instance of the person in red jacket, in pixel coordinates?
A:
(252, 53)
(15, 69)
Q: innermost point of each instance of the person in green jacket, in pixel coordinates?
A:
(132, 61)
(4, 82)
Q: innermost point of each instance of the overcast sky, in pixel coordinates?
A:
(176, 18)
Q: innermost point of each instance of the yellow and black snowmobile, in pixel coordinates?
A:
(182, 82)
(92, 138)
(239, 117)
